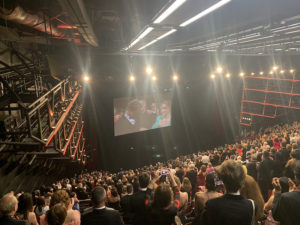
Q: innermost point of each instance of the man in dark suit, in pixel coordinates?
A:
(101, 215)
(231, 208)
(286, 206)
(126, 205)
(8, 208)
(251, 167)
(139, 201)
(265, 174)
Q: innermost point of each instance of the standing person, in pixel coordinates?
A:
(201, 177)
(25, 209)
(202, 197)
(231, 208)
(286, 205)
(139, 200)
(166, 202)
(252, 167)
(101, 215)
(8, 209)
(265, 172)
(192, 175)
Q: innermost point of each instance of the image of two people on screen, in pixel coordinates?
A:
(140, 115)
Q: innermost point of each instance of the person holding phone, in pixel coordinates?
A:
(166, 202)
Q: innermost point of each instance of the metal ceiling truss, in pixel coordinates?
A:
(256, 40)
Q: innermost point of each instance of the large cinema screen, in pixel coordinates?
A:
(135, 114)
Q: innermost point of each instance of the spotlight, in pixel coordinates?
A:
(219, 69)
(275, 68)
(228, 75)
(154, 78)
(242, 74)
(86, 78)
(271, 72)
(175, 77)
(252, 74)
(212, 76)
(149, 70)
(292, 71)
(282, 71)
(132, 78)
(261, 73)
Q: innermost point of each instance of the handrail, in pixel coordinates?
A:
(63, 117)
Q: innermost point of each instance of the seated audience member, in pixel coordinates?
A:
(25, 209)
(56, 215)
(8, 209)
(202, 197)
(101, 215)
(138, 202)
(166, 202)
(231, 208)
(250, 190)
(286, 206)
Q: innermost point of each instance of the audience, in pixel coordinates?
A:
(189, 188)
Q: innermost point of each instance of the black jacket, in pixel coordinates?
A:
(139, 207)
(228, 210)
(106, 216)
(7, 220)
(286, 208)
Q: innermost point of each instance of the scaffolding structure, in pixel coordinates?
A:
(267, 96)
(40, 115)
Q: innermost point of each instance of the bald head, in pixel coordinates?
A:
(8, 204)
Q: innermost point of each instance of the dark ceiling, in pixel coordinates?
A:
(240, 27)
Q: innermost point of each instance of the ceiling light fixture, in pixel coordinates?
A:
(205, 12)
(159, 38)
(169, 11)
(140, 37)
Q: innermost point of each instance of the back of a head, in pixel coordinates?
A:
(129, 188)
(144, 180)
(98, 195)
(284, 183)
(25, 203)
(232, 174)
(60, 196)
(8, 204)
(57, 214)
(162, 196)
(210, 182)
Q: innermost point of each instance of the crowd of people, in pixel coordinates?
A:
(255, 181)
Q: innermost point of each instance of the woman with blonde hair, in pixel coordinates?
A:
(251, 190)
